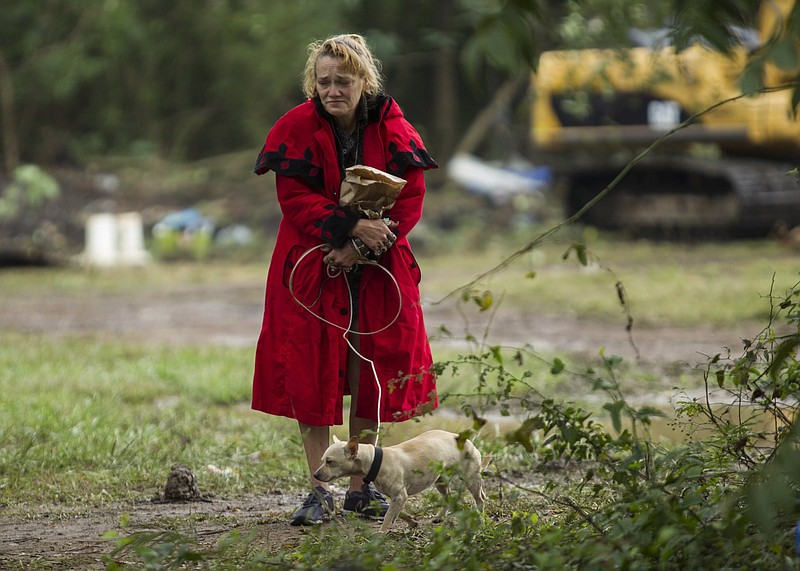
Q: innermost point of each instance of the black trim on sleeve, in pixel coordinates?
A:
(283, 165)
(401, 160)
(335, 228)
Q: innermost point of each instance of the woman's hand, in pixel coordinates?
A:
(376, 234)
(343, 258)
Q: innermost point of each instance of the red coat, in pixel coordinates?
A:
(301, 362)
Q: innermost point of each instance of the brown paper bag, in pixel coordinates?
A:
(369, 190)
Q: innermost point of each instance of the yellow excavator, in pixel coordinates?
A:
(727, 174)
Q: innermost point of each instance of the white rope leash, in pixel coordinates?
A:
(347, 330)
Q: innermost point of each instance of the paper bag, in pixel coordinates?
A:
(369, 190)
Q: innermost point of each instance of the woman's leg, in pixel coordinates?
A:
(362, 427)
(315, 442)
(360, 498)
(318, 505)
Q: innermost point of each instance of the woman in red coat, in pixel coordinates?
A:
(321, 303)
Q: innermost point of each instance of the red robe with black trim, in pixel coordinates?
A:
(301, 361)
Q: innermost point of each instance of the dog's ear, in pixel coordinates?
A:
(336, 440)
(352, 447)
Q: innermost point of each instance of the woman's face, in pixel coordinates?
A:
(338, 90)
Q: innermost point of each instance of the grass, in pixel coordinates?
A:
(89, 414)
(714, 284)
(87, 421)
(94, 420)
(79, 282)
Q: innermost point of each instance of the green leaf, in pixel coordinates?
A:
(783, 53)
(645, 413)
(558, 366)
(760, 510)
(615, 410)
(751, 80)
(522, 435)
(484, 300)
(580, 253)
(462, 438)
(785, 349)
(520, 438)
(602, 384)
(499, 48)
(580, 250)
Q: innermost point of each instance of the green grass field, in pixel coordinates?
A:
(90, 420)
(716, 284)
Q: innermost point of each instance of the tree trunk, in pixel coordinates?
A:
(10, 144)
(485, 119)
(446, 93)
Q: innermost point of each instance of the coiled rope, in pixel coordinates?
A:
(333, 273)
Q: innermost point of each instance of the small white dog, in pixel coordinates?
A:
(405, 469)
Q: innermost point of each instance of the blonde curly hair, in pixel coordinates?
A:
(355, 56)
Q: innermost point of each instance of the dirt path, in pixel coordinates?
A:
(56, 537)
(231, 316)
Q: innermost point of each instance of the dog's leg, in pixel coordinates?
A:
(408, 519)
(475, 487)
(395, 507)
(472, 477)
(442, 487)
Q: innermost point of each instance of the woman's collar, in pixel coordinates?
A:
(369, 108)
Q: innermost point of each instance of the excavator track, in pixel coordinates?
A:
(683, 198)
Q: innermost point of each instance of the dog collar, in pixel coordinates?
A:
(376, 466)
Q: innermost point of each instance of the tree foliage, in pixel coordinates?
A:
(719, 23)
(188, 79)
(180, 79)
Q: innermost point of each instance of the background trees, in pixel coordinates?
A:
(181, 79)
(192, 78)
